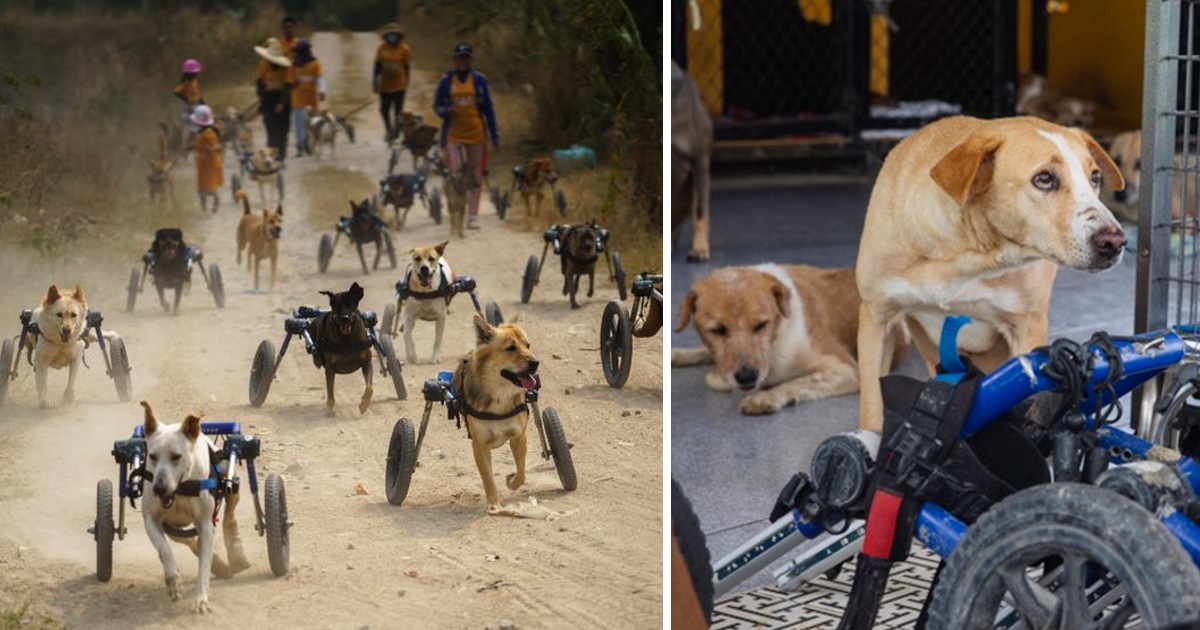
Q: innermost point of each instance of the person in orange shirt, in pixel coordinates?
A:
(289, 40)
(390, 77)
(308, 90)
(274, 93)
(209, 176)
(188, 91)
(464, 101)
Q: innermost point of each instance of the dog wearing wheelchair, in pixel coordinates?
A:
(427, 286)
(167, 259)
(579, 256)
(63, 334)
(366, 227)
(531, 180)
(342, 345)
(179, 462)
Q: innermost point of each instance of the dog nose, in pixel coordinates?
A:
(1120, 195)
(533, 366)
(159, 490)
(1109, 241)
(746, 377)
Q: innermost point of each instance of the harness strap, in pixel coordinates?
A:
(445, 288)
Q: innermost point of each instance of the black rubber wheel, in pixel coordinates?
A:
(104, 529)
(560, 202)
(435, 205)
(560, 449)
(387, 324)
(393, 160)
(693, 547)
(619, 276)
(262, 372)
(390, 247)
(235, 186)
(494, 195)
(502, 207)
(278, 547)
(401, 461)
(324, 253)
(616, 344)
(7, 350)
(279, 184)
(217, 284)
(135, 278)
(1086, 530)
(393, 366)
(491, 312)
(120, 369)
(529, 279)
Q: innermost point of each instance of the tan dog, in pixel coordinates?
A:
(264, 169)
(177, 453)
(1035, 99)
(531, 180)
(457, 187)
(62, 320)
(691, 156)
(428, 279)
(970, 216)
(259, 235)
(493, 379)
(782, 333)
(159, 178)
(1126, 152)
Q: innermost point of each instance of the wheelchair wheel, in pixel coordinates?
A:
(685, 529)
(401, 460)
(324, 253)
(217, 285)
(390, 247)
(120, 369)
(494, 195)
(393, 160)
(235, 186)
(435, 205)
(103, 529)
(529, 279)
(387, 324)
(7, 351)
(616, 344)
(262, 372)
(135, 278)
(279, 184)
(560, 449)
(502, 207)
(278, 548)
(619, 276)
(491, 312)
(393, 367)
(1087, 531)
(560, 202)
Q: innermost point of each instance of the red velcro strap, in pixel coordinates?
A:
(881, 524)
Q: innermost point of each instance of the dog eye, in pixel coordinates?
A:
(175, 457)
(1045, 181)
(718, 330)
(153, 458)
(1117, 162)
(760, 326)
(512, 348)
(1096, 179)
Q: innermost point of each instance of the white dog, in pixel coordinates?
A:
(177, 453)
(62, 322)
(323, 128)
(429, 281)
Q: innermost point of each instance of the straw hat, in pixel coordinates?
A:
(391, 27)
(202, 115)
(273, 52)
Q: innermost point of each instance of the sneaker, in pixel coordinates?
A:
(472, 223)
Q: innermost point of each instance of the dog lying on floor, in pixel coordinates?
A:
(259, 235)
(579, 256)
(177, 454)
(1126, 152)
(428, 280)
(62, 319)
(492, 381)
(784, 334)
(531, 180)
(342, 344)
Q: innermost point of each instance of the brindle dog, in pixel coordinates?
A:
(366, 227)
(168, 262)
(342, 344)
(579, 255)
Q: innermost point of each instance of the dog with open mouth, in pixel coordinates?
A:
(342, 344)
(429, 284)
(63, 335)
(579, 256)
(178, 460)
(492, 381)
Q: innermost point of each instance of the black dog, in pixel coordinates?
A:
(579, 254)
(365, 227)
(341, 343)
(168, 260)
(400, 191)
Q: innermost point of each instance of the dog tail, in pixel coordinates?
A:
(241, 194)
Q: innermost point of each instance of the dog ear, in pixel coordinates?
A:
(483, 330)
(149, 425)
(52, 295)
(279, 209)
(353, 206)
(191, 427)
(1111, 175)
(685, 310)
(441, 247)
(330, 294)
(78, 295)
(782, 297)
(356, 293)
(967, 169)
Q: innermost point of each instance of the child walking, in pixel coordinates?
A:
(209, 176)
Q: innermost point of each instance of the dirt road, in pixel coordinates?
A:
(356, 561)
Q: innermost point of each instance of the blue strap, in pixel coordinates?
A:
(952, 367)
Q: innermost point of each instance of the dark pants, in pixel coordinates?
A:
(390, 106)
(277, 124)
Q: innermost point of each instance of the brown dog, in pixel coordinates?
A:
(691, 154)
(259, 235)
(159, 178)
(342, 344)
(970, 216)
(531, 180)
(1126, 152)
(782, 333)
(579, 256)
(492, 380)
(457, 187)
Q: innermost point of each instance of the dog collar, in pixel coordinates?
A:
(444, 289)
(466, 409)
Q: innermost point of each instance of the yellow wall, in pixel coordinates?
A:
(1095, 52)
(705, 55)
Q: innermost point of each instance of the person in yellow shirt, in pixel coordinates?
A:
(308, 90)
(289, 40)
(274, 93)
(390, 77)
(209, 176)
(464, 102)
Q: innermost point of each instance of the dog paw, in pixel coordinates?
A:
(329, 413)
(174, 590)
(759, 403)
(697, 255)
(514, 481)
(201, 607)
(437, 358)
(238, 563)
(365, 403)
(716, 382)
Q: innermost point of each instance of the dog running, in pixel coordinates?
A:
(428, 279)
(579, 256)
(259, 236)
(323, 129)
(342, 344)
(531, 180)
(64, 334)
(366, 227)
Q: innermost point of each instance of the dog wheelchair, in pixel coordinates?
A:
(345, 227)
(404, 451)
(616, 333)
(266, 362)
(518, 171)
(270, 521)
(500, 201)
(401, 191)
(116, 359)
(170, 273)
(390, 325)
(246, 167)
(962, 466)
(552, 236)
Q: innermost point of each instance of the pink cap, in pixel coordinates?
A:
(192, 66)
